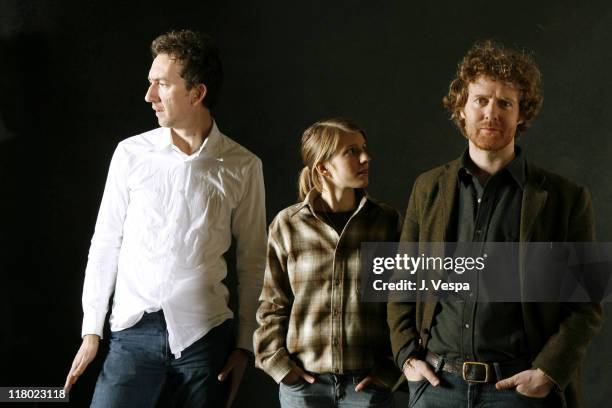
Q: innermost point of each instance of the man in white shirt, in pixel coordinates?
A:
(173, 199)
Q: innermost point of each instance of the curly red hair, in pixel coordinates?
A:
(499, 63)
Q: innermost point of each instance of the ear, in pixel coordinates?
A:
(198, 93)
(322, 169)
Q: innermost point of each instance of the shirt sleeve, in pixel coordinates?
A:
(101, 270)
(249, 229)
(276, 299)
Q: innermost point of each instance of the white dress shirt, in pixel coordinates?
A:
(165, 221)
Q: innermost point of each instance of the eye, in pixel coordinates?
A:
(481, 101)
(505, 104)
(350, 151)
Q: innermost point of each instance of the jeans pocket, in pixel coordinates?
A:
(296, 385)
(520, 394)
(416, 390)
(538, 402)
(377, 388)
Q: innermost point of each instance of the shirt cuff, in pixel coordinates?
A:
(92, 325)
(278, 366)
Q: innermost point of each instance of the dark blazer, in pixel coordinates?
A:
(553, 210)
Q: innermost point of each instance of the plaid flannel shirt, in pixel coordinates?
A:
(310, 310)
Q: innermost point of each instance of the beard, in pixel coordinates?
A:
(492, 141)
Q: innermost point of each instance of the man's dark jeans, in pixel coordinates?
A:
(454, 392)
(139, 364)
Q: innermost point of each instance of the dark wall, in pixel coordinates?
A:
(73, 78)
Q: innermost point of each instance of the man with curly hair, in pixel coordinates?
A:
(470, 353)
(173, 199)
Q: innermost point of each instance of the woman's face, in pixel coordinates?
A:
(349, 167)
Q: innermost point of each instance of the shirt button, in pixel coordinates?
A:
(337, 282)
(479, 232)
(479, 200)
(336, 312)
(335, 341)
(467, 326)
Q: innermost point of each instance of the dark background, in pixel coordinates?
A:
(73, 77)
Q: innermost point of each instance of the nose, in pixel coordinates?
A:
(151, 95)
(365, 157)
(491, 111)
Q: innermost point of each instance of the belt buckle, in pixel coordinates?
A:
(466, 365)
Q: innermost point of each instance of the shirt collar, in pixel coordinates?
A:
(516, 167)
(314, 195)
(209, 147)
(164, 140)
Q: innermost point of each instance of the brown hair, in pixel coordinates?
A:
(200, 59)
(319, 144)
(499, 63)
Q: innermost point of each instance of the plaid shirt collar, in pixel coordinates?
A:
(314, 195)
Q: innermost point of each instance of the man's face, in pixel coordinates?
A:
(491, 113)
(173, 104)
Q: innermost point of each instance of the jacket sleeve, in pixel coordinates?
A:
(274, 311)
(564, 351)
(401, 316)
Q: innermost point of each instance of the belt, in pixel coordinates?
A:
(478, 372)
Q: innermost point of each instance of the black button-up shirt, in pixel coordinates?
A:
(464, 328)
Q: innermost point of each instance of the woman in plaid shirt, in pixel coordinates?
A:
(316, 338)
